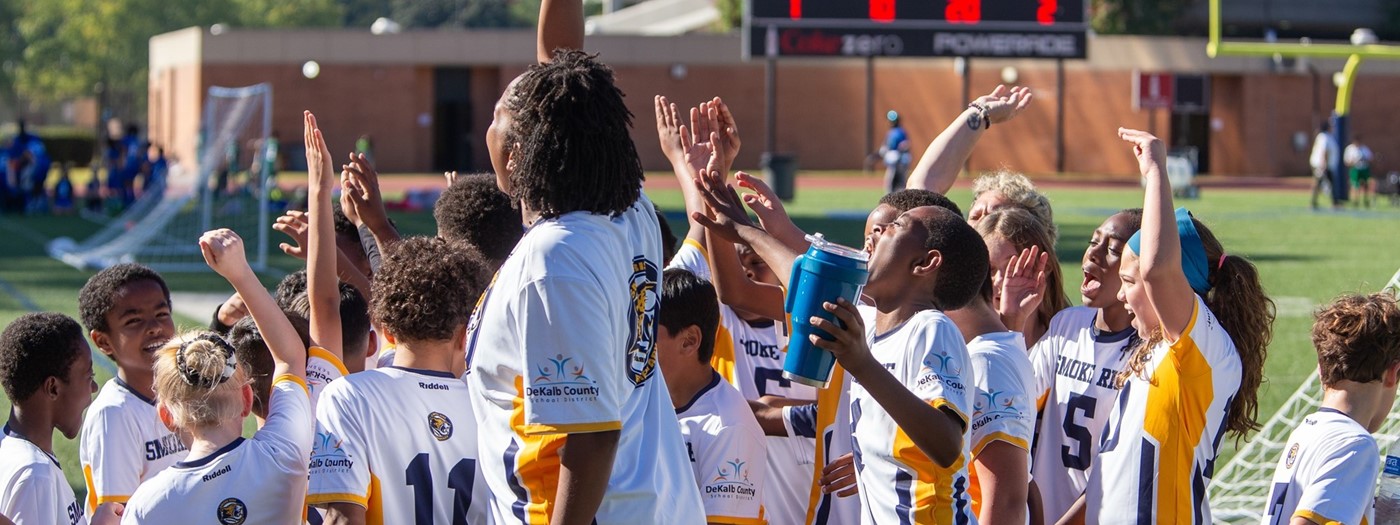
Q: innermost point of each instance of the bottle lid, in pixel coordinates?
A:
(819, 242)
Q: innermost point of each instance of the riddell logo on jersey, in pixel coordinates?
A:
(561, 381)
(731, 481)
(328, 456)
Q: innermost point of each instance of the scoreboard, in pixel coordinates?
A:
(916, 28)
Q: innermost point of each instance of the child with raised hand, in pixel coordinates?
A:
(1327, 473)
(1206, 324)
(46, 371)
(1076, 364)
(909, 402)
(205, 393)
(126, 309)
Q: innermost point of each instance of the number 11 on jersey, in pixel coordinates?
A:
(419, 475)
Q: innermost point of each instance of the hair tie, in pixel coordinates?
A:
(192, 377)
(1221, 263)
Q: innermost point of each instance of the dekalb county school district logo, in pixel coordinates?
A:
(561, 380)
(641, 345)
(991, 406)
(440, 426)
(232, 511)
(944, 368)
(327, 454)
(731, 481)
(1292, 456)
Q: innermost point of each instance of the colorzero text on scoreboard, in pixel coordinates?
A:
(916, 28)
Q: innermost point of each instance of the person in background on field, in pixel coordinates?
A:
(1323, 157)
(1357, 158)
(133, 162)
(1328, 472)
(63, 196)
(155, 169)
(895, 154)
(113, 162)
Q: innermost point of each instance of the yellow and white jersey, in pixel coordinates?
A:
(828, 421)
(1327, 473)
(900, 484)
(749, 355)
(123, 443)
(1076, 371)
(1002, 409)
(727, 453)
(563, 342)
(258, 480)
(32, 487)
(1158, 449)
(400, 442)
(322, 367)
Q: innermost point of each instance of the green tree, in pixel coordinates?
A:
(731, 14)
(454, 13)
(290, 13)
(10, 47)
(1137, 17)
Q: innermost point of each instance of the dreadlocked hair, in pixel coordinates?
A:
(1237, 300)
(570, 139)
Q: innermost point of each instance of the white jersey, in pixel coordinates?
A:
(727, 453)
(750, 356)
(1002, 409)
(32, 487)
(564, 342)
(322, 367)
(1076, 371)
(828, 421)
(401, 443)
(1158, 451)
(258, 480)
(898, 482)
(122, 444)
(1327, 473)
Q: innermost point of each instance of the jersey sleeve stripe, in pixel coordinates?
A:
(91, 490)
(322, 353)
(338, 497)
(1315, 517)
(999, 436)
(112, 499)
(570, 428)
(944, 404)
(534, 464)
(696, 244)
(734, 520)
(722, 360)
(827, 400)
(292, 378)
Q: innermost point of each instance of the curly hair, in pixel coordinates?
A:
(35, 347)
(690, 301)
(256, 358)
(193, 406)
(1023, 229)
(570, 139)
(1019, 191)
(965, 261)
(475, 211)
(99, 294)
(343, 226)
(908, 199)
(1238, 301)
(1357, 338)
(427, 287)
(291, 286)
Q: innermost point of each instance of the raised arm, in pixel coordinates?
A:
(726, 219)
(1159, 264)
(297, 225)
(734, 287)
(560, 27)
(361, 183)
(223, 251)
(945, 156)
(322, 286)
(771, 213)
(680, 147)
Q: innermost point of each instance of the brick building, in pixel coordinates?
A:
(426, 98)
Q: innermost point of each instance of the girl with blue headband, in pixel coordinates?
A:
(1205, 324)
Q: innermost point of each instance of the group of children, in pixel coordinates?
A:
(543, 359)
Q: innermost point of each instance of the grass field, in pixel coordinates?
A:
(1305, 258)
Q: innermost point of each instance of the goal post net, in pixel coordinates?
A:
(223, 190)
(1240, 491)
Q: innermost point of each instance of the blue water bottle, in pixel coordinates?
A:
(827, 271)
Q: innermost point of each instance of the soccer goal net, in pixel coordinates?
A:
(1240, 491)
(223, 190)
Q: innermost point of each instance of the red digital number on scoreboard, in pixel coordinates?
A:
(956, 11)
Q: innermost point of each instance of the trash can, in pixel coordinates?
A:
(780, 172)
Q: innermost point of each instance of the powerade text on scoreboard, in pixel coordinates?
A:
(915, 28)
